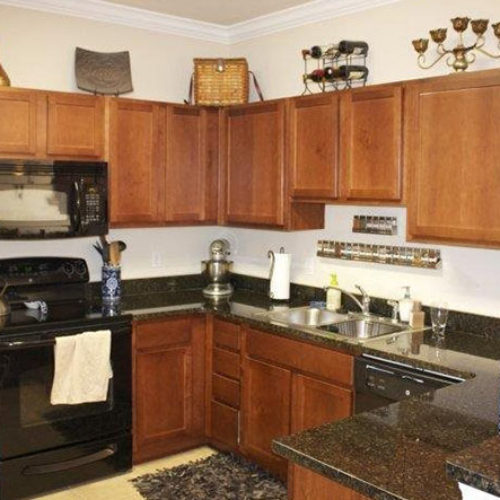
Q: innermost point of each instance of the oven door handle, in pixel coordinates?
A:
(32, 470)
(18, 345)
(76, 211)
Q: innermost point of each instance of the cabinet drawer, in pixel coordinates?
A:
(300, 356)
(224, 424)
(226, 390)
(227, 335)
(163, 333)
(226, 363)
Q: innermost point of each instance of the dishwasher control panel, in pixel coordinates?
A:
(380, 383)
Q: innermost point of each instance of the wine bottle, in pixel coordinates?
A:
(316, 76)
(316, 52)
(345, 73)
(354, 48)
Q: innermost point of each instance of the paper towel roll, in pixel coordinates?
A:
(280, 277)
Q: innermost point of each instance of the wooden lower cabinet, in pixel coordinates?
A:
(169, 377)
(315, 402)
(265, 412)
(304, 484)
(203, 380)
(223, 384)
(289, 386)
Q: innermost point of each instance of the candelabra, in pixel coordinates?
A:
(462, 55)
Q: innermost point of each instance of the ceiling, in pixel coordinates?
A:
(225, 12)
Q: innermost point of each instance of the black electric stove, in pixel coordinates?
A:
(43, 446)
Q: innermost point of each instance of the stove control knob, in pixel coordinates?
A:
(68, 268)
(80, 268)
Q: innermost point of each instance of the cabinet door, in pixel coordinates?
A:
(452, 138)
(169, 386)
(75, 125)
(254, 164)
(136, 161)
(371, 144)
(18, 126)
(315, 402)
(313, 146)
(192, 158)
(305, 484)
(265, 411)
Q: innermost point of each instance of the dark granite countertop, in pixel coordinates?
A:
(478, 466)
(400, 451)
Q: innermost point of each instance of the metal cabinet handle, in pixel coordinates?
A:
(377, 369)
(19, 345)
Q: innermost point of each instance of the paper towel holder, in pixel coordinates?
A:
(270, 255)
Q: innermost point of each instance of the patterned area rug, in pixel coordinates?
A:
(221, 476)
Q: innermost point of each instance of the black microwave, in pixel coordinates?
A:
(56, 199)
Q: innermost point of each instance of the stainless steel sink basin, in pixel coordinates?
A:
(306, 316)
(365, 328)
(356, 328)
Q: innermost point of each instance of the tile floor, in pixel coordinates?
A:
(119, 487)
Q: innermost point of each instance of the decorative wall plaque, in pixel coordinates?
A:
(103, 72)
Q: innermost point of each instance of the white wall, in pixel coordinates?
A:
(468, 280)
(37, 51)
(276, 59)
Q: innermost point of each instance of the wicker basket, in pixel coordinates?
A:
(220, 82)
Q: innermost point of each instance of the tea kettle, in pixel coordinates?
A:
(4, 304)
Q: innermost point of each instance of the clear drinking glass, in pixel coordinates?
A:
(439, 317)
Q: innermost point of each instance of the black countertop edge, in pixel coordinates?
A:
(478, 466)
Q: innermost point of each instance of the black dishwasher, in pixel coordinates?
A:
(379, 382)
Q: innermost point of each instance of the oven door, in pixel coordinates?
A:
(29, 423)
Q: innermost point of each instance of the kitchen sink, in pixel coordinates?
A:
(321, 321)
(365, 328)
(306, 316)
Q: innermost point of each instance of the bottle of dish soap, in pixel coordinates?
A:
(405, 306)
(333, 297)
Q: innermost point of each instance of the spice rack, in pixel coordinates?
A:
(375, 225)
(427, 258)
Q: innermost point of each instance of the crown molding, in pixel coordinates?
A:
(100, 10)
(307, 13)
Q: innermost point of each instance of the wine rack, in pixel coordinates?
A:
(336, 66)
(428, 258)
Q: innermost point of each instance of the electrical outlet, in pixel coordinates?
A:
(156, 259)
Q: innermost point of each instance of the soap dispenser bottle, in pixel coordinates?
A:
(405, 306)
(333, 296)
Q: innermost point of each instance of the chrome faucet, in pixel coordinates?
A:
(364, 305)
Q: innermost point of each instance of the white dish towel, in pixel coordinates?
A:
(82, 368)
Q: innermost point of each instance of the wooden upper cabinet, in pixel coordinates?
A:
(191, 174)
(253, 164)
(19, 122)
(136, 161)
(452, 139)
(313, 138)
(371, 144)
(75, 125)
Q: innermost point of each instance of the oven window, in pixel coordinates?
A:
(33, 206)
(35, 386)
